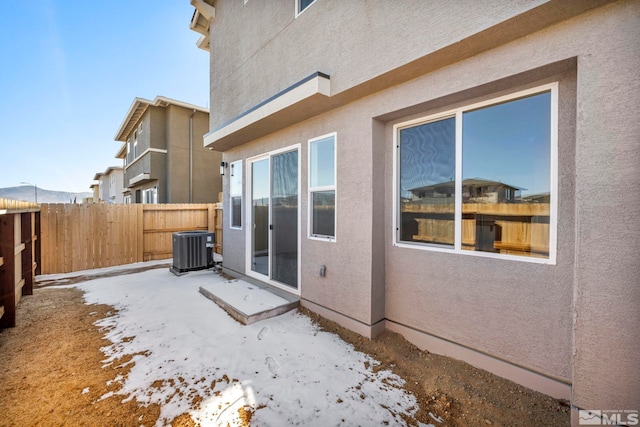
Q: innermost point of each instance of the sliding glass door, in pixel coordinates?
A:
(274, 231)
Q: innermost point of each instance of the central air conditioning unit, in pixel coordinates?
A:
(192, 250)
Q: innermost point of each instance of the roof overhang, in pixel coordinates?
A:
(201, 20)
(122, 152)
(294, 104)
(140, 179)
(138, 108)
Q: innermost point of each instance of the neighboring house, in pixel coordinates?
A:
(164, 159)
(109, 185)
(95, 194)
(331, 113)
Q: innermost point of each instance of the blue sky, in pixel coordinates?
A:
(69, 71)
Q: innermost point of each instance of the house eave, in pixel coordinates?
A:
(140, 179)
(138, 108)
(122, 152)
(201, 20)
(298, 102)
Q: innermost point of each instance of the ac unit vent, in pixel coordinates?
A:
(192, 250)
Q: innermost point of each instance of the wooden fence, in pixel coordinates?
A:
(83, 237)
(509, 228)
(19, 254)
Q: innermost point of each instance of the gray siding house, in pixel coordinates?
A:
(164, 160)
(110, 185)
(331, 113)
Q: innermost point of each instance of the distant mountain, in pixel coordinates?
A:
(27, 193)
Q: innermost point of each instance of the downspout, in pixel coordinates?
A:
(191, 156)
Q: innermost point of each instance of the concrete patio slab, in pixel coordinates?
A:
(247, 302)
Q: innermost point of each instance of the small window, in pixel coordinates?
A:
(322, 187)
(481, 179)
(235, 192)
(302, 5)
(135, 145)
(150, 196)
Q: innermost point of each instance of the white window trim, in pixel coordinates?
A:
(457, 113)
(154, 194)
(232, 195)
(247, 210)
(297, 6)
(333, 188)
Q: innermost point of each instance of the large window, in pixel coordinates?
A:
(481, 179)
(235, 192)
(322, 187)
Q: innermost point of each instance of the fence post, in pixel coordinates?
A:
(27, 253)
(139, 232)
(7, 271)
(37, 251)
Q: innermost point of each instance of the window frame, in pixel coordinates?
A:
(153, 191)
(311, 190)
(298, 11)
(233, 194)
(457, 113)
(135, 145)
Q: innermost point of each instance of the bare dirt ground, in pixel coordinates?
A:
(51, 373)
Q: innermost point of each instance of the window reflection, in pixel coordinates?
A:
(324, 211)
(322, 168)
(427, 187)
(506, 173)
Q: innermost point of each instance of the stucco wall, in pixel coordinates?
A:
(351, 41)
(348, 260)
(576, 321)
(206, 181)
(607, 274)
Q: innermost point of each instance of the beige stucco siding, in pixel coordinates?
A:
(205, 179)
(575, 321)
(607, 274)
(351, 41)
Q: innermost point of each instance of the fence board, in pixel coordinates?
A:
(81, 237)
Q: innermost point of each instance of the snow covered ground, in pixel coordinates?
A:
(191, 356)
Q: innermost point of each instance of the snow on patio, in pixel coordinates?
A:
(192, 357)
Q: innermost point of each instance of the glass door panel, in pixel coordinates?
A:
(260, 216)
(284, 218)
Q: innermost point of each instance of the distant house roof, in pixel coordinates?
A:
(470, 182)
(140, 105)
(122, 151)
(106, 172)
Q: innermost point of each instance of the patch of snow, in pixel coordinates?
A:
(99, 271)
(191, 356)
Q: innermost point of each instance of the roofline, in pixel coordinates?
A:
(203, 15)
(140, 105)
(97, 176)
(122, 151)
